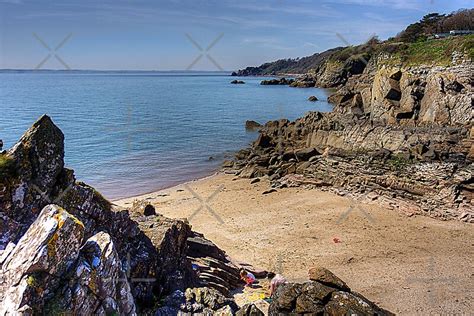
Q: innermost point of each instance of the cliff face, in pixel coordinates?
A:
(410, 96)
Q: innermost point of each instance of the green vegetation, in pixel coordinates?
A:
(410, 47)
(398, 162)
(32, 281)
(435, 23)
(430, 52)
(364, 51)
(7, 166)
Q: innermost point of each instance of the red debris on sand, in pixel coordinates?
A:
(336, 240)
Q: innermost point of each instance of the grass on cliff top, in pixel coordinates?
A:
(7, 166)
(434, 52)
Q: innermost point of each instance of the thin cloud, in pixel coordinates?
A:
(395, 4)
(12, 1)
(267, 42)
(128, 13)
(308, 44)
(323, 11)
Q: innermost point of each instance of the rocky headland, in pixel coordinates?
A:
(401, 136)
(401, 131)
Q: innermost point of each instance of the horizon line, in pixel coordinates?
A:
(109, 70)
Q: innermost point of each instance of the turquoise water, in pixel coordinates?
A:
(128, 134)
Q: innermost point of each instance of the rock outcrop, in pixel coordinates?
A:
(41, 179)
(410, 96)
(150, 247)
(403, 137)
(273, 82)
(96, 283)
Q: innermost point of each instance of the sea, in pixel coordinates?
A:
(130, 133)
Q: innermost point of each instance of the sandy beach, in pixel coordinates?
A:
(407, 264)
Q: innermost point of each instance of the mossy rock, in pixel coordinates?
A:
(7, 166)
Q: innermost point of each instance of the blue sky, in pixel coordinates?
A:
(151, 35)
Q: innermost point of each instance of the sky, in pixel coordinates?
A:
(193, 34)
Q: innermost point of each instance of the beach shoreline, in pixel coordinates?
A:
(293, 229)
(165, 187)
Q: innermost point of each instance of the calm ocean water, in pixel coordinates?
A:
(131, 133)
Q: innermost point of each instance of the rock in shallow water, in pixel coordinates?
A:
(252, 125)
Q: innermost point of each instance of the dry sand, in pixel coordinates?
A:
(409, 265)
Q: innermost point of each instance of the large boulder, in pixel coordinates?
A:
(324, 276)
(37, 264)
(38, 161)
(96, 283)
(49, 272)
(318, 298)
(197, 301)
(446, 101)
(344, 303)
